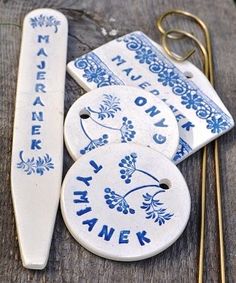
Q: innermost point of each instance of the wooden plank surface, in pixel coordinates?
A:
(68, 261)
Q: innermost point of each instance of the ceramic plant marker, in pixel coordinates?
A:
(120, 114)
(37, 153)
(119, 205)
(136, 60)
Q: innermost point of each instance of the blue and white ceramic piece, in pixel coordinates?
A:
(125, 202)
(120, 114)
(136, 60)
(37, 152)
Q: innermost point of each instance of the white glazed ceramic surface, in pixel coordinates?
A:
(136, 60)
(37, 153)
(120, 114)
(114, 202)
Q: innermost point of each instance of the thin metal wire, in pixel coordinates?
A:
(208, 69)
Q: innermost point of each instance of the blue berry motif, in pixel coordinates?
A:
(127, 132)
(94, 144)
(151, 205)
(107, 109)
(114, 200)
(128, 165)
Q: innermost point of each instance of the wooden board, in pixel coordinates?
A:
(89, 21)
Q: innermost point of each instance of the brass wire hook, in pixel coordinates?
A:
(208, 70)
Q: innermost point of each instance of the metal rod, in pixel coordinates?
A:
(208, 69)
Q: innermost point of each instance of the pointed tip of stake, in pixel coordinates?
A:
(34, 264)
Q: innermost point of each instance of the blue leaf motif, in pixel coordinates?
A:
(37, 166)
(151, 207)
(47, 21)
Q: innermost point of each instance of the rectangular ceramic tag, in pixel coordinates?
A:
(37, 152)
(136, 60)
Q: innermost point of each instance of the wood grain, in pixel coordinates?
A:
(68, 261)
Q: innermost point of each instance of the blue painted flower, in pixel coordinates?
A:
(168, 77)
(145, 56)
(94, 144)
(94, 75)
(127, 132)
(35, 165)
(114, 200)
(128, 165)
(191, 101)
(153, 209)
(216, 125)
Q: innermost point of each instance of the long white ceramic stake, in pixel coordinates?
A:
(37, 152)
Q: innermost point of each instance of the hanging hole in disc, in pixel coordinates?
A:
(188, 75)
(84, 114)
(165, 184)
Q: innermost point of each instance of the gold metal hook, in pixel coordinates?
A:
(203, 28)
(179, 58)
(208, 69)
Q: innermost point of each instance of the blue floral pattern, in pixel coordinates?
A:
(109, 106)
(35, 165)
(107, 109)
(190, 95)
(96, 71)
(154, 210)
(94, 144)
(216, 125)
(47, 21)
(183, 149)
(152, 206)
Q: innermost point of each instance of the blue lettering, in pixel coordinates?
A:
(38, 101)
(41, 75)
(83, 211)
(43, 37)
(40, 88)
(37, 116)
(140, 101)
(188, 126)
(90, 223)
(144, 85)
(172, 108)
(159, 139)
(42, 65)
(133, 78)
(127, 71)
(42, 52)
(153, 111)
(155, 91)
(142, 239)
(96, 167)
(179, 117)
(118, 58)
(35, 144)
(36, 130)
(82, 197)
(123, 239)
(161, 123)
(107, 234)
(85, 180)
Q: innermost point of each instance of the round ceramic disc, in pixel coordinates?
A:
(120, 114)
(125, 202)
